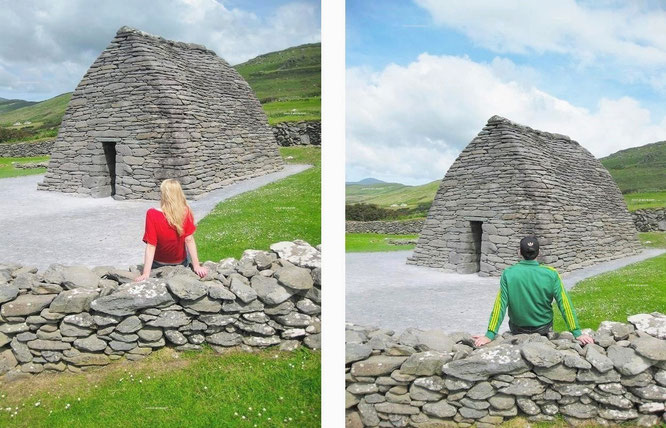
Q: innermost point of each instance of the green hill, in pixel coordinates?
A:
(391, 195)
(639, 169)
(42, 115)
(9, 105)
(287, 82)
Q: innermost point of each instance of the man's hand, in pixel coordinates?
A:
(480, 340)
(142, 277)
(585, 339)
(200, 270)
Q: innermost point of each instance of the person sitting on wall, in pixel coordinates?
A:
(527, 289)
(169, 233)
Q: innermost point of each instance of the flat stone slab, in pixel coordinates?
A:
(383, 291)
(40, 228)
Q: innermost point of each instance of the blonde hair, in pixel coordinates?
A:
(173, 203)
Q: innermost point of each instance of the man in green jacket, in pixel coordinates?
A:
(527, 289)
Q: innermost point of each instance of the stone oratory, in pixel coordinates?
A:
(512, 181)
(150, 109)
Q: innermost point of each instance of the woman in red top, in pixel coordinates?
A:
(168, 236)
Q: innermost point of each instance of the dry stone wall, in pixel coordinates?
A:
(306, 133)
(650, 220)
(512, 181)
(25, 150)
(431, 379)
(406, 227)
(150, 109)
(74, 318)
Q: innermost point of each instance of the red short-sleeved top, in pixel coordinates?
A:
(169, 247)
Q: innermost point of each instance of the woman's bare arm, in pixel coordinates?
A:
(192, 250)
(148, 257)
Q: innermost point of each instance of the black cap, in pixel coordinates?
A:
(529, 247)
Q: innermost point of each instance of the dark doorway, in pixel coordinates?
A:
(477, 233)
(110, 155)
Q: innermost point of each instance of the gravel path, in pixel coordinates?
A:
(39, 228)
(383, 291)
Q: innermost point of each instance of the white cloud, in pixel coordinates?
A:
(66, 37)
(408, 124)
(630, 33)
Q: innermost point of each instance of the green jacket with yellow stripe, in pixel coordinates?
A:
(527, 289)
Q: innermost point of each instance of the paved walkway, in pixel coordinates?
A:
(383, 291)
(39, 228)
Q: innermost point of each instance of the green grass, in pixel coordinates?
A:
(374, 242)
(47, 113)
(391, 195)
(639, 169)
(612, 296)
(281, 211)
(637, 201)
(171, 389)
(7, 169)
(293, 110)
(9, 105)
(653, 239)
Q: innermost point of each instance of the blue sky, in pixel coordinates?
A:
(48, 45)
(596, 59)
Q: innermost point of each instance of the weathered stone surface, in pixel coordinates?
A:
(78, 277)
(653, 324)
(90, 344)
(650, 347)
(541, 355)
(170, 319)
(87, 359)
(626, 361)
(440, 409)
(356, 352)
(243, 291)
(559, 373)
(175, 337)
(502, 401)
(129, 298)
(599, 361)
(425, 363)
(220, 292)
(524, 387)
(224, 339)
(186, 287)
(8, 292)
(487, 362)
(48, 345)
(26, 304)
(299, 253)
(203, 304)
(130, 324)
(73, 301)
(269, 291)
(376, 366)
(294, 277)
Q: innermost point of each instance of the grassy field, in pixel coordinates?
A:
(169, 388)
(9, 105)
(8, 170)
(612, 296)
(287, 82)
(639, 169)
(637, 201)
(653, 239)
(282, 211)
(43, 114)
(374, 242)
(293, 110)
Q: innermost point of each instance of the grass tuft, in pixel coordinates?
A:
(375, 242)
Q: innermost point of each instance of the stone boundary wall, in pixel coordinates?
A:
(74, 318)
(650, 220)
(431, 379)
(307, 133)
(407, 227)
(25, 150)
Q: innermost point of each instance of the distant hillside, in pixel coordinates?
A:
(41, 115)
(391, 195)
(287, 82)
(639, 169)
(368, 180)
(9, 105)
